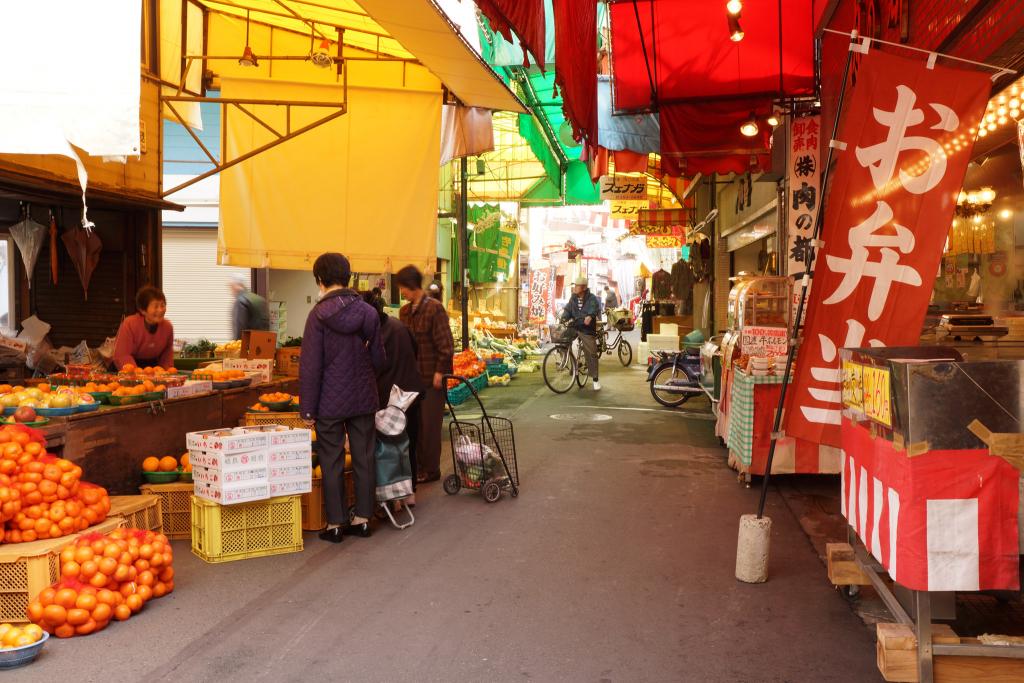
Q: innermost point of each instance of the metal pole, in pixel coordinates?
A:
(464, 250)
(804, 283)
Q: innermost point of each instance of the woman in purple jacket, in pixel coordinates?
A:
(341, 352)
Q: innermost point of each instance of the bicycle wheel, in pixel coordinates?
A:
(559, 369)
(663, 377)
(625, 352)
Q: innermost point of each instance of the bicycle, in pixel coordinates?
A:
(625, 351)
(564, 364)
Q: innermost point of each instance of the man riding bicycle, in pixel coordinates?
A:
(583, 310)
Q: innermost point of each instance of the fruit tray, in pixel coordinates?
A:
(154, 396)
(35, 423)
(101, 396)
(224, 533)
(161, 477)
(88, 407)
(277, 406)
(12, 658)
(56, 412)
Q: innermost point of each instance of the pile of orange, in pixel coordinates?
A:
(104, 577)
(42, 496)
(99, 387)
(259, 408)
(276, 397)
(218, 375)
(168, 463)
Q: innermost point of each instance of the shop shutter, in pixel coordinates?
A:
(198, 300)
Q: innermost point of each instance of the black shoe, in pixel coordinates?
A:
(428, 478)
(334, 535)
(361, 530)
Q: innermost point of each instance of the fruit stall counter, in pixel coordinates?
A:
(112, 442)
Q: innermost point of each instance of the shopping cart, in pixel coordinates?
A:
(483, 454)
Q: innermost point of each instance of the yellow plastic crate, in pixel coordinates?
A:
(284, 419)
(28, 568)
(139, 512)
(176, 510)
(314, 511)
(224, 533)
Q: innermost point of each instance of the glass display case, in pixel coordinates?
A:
(763, 301)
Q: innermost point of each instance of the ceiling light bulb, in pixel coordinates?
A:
(982, 133)
(735, 30)
(961, 198)
(1005, 214)
(248, 58)
(1001, 111)
(734, 7)
(977, 218)
(988, 195)
(1001, 120)
(1002, 99)
(749, 127)
(991, 126)
(1015, 113)
(990, 117)
(322, 56)
(1014, 103)
(772, 120)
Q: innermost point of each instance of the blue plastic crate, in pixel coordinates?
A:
(497, 370)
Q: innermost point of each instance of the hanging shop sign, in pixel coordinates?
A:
(540, 293)
(623, 188)
(628, 210)
(657, 230)
(666, 217)
(905, 141)
(757, 340)
(664, 242)
(804, 190)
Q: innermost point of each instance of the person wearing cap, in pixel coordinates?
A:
(583, 309)
(342, 352)
(250, 311)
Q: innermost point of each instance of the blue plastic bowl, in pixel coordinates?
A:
(88, 407)
(20, 656)
(56, 412)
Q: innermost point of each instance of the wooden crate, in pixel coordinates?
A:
(27, 568)
(843, 569)
(287, 360)
(175, 507)
(139, 512)
(896, 649)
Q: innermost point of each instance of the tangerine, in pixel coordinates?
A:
(168, 463)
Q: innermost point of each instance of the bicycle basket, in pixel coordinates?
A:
(625, 325)
(563, 334)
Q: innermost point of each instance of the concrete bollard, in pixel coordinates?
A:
(752, 549)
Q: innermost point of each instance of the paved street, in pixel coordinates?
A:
(615, 564)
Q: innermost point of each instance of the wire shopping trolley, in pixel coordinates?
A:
(483, 454)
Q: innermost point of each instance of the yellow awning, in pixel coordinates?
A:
(410, 29)
(364, 184)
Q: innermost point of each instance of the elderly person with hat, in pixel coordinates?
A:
(250, 311)
(583, 309)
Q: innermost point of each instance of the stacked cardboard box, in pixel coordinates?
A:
(246, 464)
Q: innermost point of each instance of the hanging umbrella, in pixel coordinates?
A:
(53, 247)
(29, 236)
(84, 246)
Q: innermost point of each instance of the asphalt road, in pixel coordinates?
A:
(616, 563)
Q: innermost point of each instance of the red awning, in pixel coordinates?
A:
(689, 56)
(705, 138)
(525, 18)
(576, 64)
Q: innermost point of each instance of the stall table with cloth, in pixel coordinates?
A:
(927, 500)
(746, 414)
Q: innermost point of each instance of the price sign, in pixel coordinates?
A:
(664, 242)
(853, 385)
(764, 341)
(876, 395)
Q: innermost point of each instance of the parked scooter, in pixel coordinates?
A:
(675, 377)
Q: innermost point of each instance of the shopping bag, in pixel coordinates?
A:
(394, 471)
(477, 462)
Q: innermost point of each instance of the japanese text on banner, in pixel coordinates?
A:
(804, 190)
(623, 188)
(907, 132)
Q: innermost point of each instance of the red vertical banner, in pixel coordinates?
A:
(904, 143)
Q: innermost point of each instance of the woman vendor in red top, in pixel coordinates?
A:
(146, 339)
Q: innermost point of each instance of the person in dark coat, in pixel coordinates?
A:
(400, 370)
(341, 353)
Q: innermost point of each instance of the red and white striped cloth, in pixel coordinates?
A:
(940, 521)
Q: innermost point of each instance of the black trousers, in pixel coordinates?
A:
(330, 436)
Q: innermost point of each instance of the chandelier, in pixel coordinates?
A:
(975, 204)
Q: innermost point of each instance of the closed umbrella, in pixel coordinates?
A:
(53, 247)
(29, 236)
(84, 247)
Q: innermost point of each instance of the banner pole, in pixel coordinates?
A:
(804, 283)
